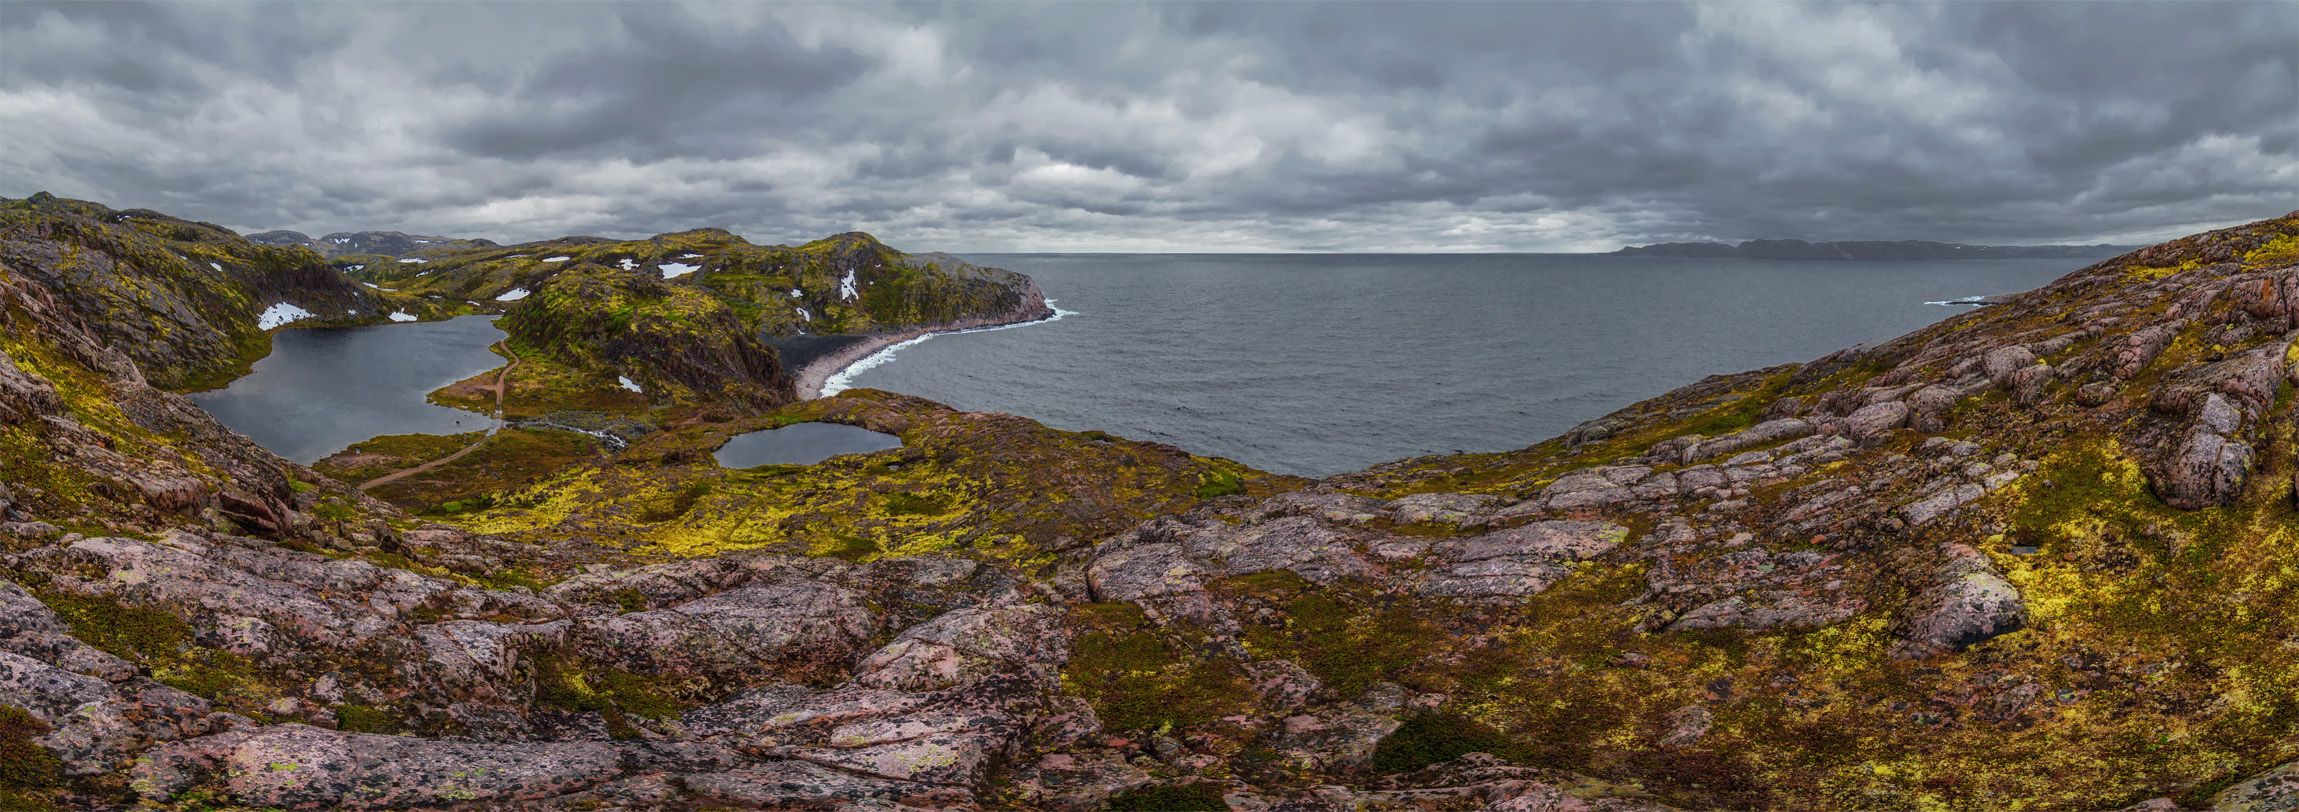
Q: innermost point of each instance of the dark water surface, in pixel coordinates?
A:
(1317, 364)
(322, 390)
(802, 444)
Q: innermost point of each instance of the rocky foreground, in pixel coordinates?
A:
(2037, 556)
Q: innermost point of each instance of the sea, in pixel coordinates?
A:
(1315, 364)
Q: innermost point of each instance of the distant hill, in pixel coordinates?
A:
(1869, 249)
(383, 243)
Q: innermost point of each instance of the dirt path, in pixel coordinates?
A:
(502, 384)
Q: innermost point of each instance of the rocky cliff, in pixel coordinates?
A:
(2035, 556)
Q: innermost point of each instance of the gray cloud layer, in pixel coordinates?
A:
(1538, 126)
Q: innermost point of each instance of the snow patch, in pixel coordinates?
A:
(690, 256)
(809, 317)
(556, 259)
(279, 314)
(357, 268)
(846, 289)
(626, 263)
(674, 270)
(413, 261)
(513, 295)
(400, 316)
(380, 287)
(219, 268)
(795, 294)
(629, 384)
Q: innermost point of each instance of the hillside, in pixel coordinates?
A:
(384, 244)
(1867, 250)
(190, 302)
(2036, 556)
(840, 285)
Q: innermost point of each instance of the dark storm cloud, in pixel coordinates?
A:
(1229, 126)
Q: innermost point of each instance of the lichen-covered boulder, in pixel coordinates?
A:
(783, 626)
(1968, 603)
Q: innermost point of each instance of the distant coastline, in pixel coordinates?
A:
(1866, 250)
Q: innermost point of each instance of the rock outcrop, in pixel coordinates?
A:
(2036, 554)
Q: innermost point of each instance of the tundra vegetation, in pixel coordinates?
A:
(2038, 556)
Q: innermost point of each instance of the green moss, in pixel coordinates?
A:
(366, 719)
(1435, 738)
(1138, 679)
(513, 577)
(1349, 638)
(911, 504)
(334, 509)
(25, 766)
(162, 643)
(1217, 483)
(617, 695)
(628, 600)
(2283, 248)
(1170, 798)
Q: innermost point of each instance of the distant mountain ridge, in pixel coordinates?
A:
(382, 243)
(1868, 250)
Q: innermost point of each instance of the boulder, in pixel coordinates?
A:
(1516, 562)
(1968, 603)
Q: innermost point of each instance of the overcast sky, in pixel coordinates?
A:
(1103, 127)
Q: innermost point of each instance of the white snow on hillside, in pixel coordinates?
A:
(279, 314)
(513, 295)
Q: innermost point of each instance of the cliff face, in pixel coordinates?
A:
(2036, 555)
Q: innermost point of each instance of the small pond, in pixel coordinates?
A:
(802, 444)
(322, 390)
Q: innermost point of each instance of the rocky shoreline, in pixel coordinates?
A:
(817, 372)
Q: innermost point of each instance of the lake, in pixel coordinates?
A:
(801, 444)
(322, 390)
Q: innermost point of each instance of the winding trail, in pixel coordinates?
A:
(501, 385)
